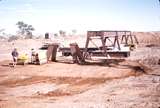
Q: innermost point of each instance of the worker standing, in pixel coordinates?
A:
(15, 56)
(33, 54)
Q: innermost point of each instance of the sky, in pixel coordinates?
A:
(81, 15)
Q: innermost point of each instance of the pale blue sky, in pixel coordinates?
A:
(82, 15)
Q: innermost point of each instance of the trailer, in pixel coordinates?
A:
(121, 44)
(66, 51)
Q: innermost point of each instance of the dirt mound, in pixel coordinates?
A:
(149, 38)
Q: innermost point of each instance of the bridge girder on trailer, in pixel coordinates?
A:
(118, 37)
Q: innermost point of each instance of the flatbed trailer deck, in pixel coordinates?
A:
(66, 51)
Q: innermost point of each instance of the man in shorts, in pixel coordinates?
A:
(15, 56)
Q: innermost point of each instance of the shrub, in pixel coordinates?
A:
(12, 38)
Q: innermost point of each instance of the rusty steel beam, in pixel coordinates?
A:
(52, 51)
(76, 53)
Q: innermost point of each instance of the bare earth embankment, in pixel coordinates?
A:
(130, 83)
